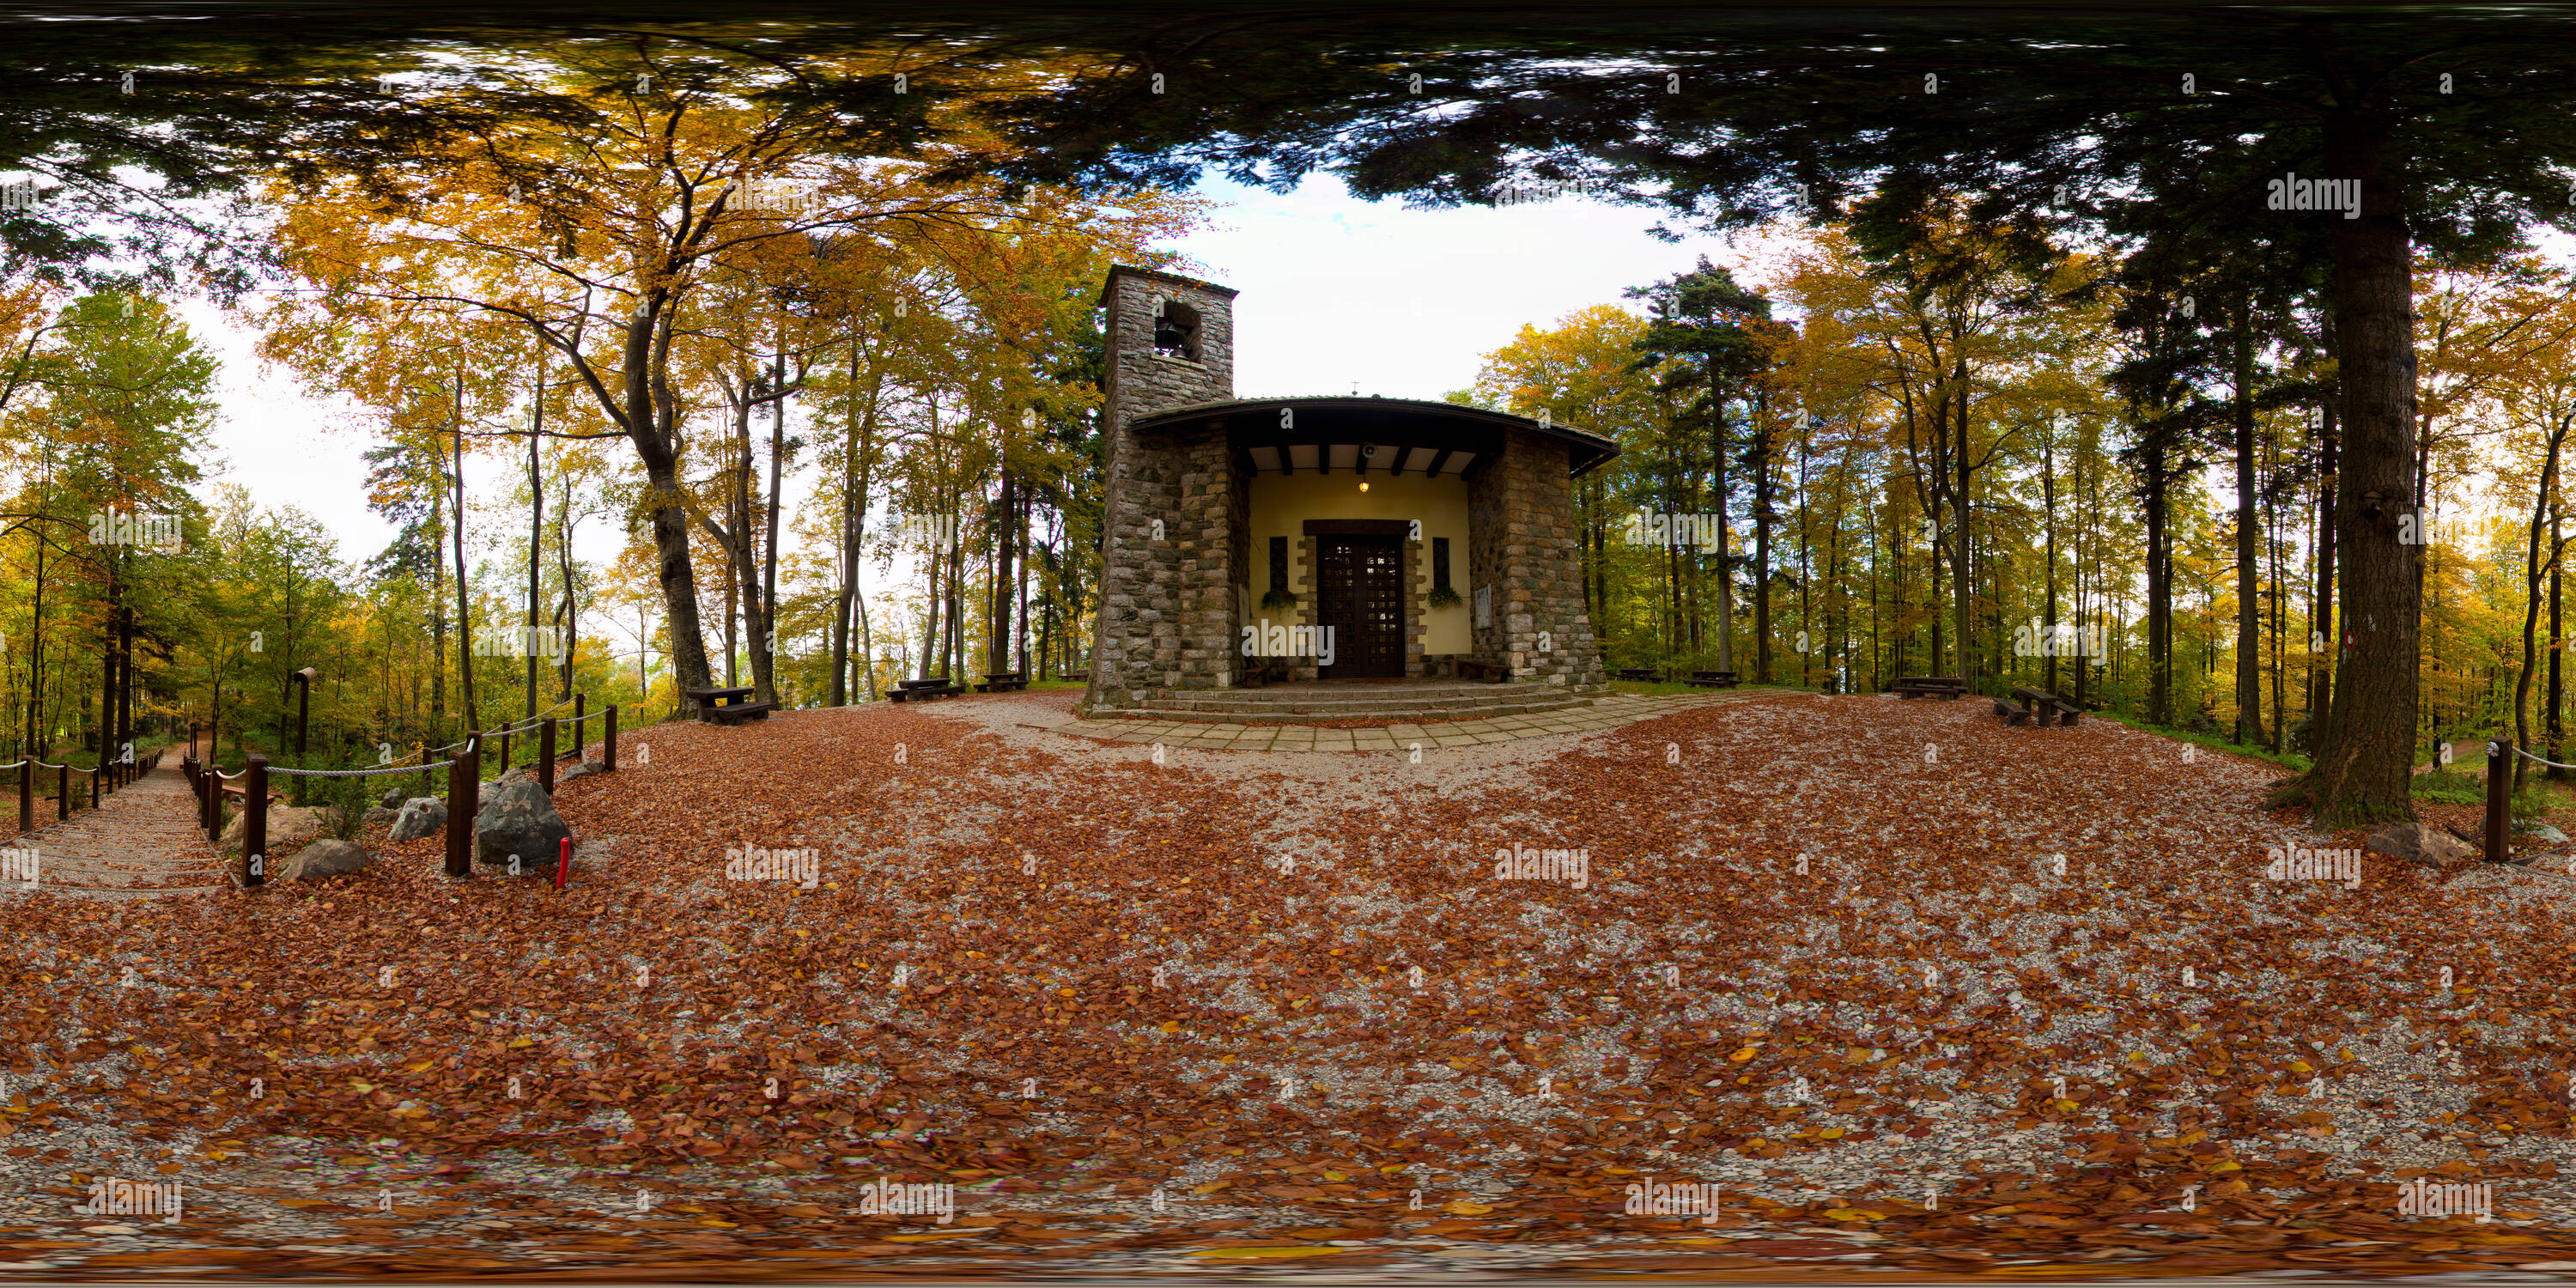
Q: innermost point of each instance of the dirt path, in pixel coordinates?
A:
(140, 843)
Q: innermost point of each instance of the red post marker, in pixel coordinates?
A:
(563, 862)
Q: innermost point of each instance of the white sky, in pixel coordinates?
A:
(1337, 293)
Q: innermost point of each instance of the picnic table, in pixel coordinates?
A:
(728, 706)
(1712, 679)
(2036, 705)
(1002, 682)
(1948, 687)
(922, 690)
(1641, 674)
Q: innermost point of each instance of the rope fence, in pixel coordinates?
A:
(376, 771)
(2526, 754)
(464, 784)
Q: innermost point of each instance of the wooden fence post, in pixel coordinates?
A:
(546, 755)
(62, 791)
(609, 732)
(212, 812)
(2499, 800)
(27, 793)
(93, 789)
(255, 820)
(464, 781)
(578, 725)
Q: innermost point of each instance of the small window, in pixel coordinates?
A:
(1440, 563)
(1176, 330)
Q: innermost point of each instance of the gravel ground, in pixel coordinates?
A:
(1823, 955)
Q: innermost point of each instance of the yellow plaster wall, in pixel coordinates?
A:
(1281, 504)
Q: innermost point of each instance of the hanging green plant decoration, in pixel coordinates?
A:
(1279, 599)
(1442, 597)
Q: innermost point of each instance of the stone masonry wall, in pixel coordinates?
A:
(1166, 617)
(1521, 540)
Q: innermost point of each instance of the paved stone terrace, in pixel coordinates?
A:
(1608, 712)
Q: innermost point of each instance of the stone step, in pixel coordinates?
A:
(1216, 700)
(1434, 716)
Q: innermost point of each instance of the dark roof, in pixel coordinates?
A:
(1346, 418)
(1158, 275)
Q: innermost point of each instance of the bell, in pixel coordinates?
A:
(1167, 334)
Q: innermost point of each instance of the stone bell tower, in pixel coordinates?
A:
(1170, 542)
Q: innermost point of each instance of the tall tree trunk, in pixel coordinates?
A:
(2048, 527)
(2539, 560)
(2159, 590)
(2366, 772)
(765, 662)
(1761, 466)
(2559, 647)
(2249, 681)
(464, 602)
(1963, 574)
(997, 649)
(1725, 571)
(846, 552)
(536, 531)
(437, 601)
(2327, 639)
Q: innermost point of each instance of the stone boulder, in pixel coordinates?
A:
(518, 817)
(325, 858)
(288, 826)
(2424, 844)
(420, 816)
(583, 770)
(393, 800)
(2540, 831)
(379, 816)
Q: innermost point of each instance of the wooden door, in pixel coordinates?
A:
(1360, 594)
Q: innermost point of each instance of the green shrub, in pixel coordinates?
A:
(2449, 787)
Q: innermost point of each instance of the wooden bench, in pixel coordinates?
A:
(1712, 679)
(922, 690)
(1262, 673)
(1641, 675)
(1948, 687)
(728, 706)
(1490, 672)
(1002, 682)
(2037, 705)
(1077, 677)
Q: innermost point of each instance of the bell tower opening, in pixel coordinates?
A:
(1176, 330)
